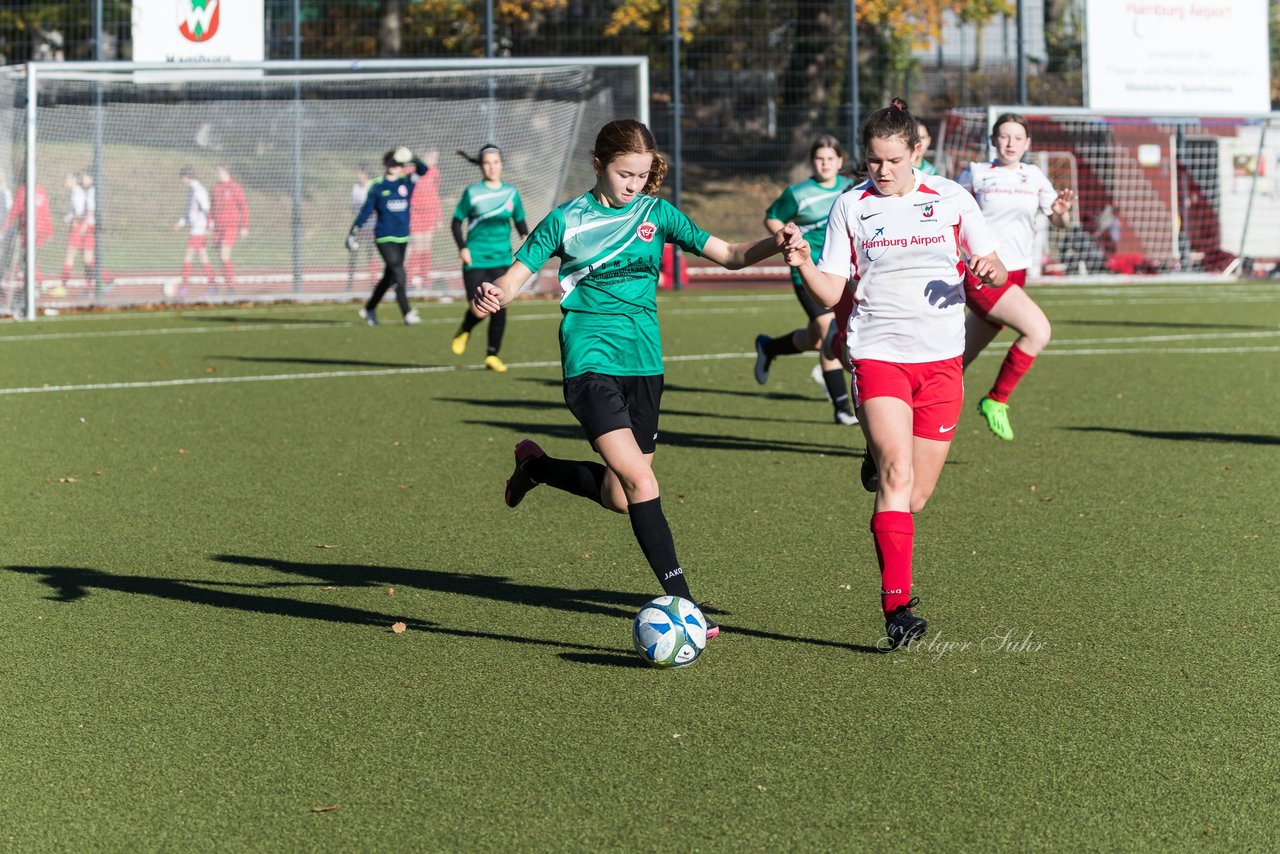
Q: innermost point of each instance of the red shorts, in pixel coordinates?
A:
(81, 237)
(933, 390)
(226, 239)
(195, 241)
(981, 299)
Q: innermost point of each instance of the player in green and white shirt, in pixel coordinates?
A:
(609, 242)
(807, 204)
(489, 208)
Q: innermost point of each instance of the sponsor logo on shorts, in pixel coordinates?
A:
(646, 230)
(942, 429)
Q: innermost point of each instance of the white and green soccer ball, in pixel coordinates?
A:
(669, 632)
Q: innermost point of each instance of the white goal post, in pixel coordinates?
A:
(293, 135)
(1177, 196)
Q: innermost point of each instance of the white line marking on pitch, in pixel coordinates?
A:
(441, 369)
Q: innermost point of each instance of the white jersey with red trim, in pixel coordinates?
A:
(903, 254)
(1009, 198)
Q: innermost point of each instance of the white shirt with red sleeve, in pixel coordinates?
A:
(1009, 197)
(904, 256)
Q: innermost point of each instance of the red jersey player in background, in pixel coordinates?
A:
(81, 209)
(1011, 194)
(424, 216)
(15, 225)
(900, 239)
(230, 213)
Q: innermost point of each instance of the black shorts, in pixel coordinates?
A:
(809, 304)
(604, 403)
(472, 279)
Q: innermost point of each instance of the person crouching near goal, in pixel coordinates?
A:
(609, 241)
(388, 200)
(899, 239)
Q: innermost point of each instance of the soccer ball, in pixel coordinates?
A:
(669, 632)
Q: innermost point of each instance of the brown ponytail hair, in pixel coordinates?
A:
(479, 158)
(628, 136)
(893, 120)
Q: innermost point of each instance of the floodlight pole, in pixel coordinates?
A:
(297, 151)
(96, 284)
(855, 106)
(676, 143)
(1022, 57)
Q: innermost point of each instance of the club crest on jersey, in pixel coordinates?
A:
(403, 190)
(646, 230)
(197, 19)
(927, 211)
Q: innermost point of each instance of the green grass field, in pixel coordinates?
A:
(213, 518)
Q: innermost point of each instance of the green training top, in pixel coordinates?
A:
(609, 260)
(807, 204)
(488, 214)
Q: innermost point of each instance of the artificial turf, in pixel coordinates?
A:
(213, 518)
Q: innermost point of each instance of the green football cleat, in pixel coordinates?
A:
(997, 416)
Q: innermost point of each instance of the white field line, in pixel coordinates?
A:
(443, 369)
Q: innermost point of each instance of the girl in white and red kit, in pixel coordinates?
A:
(900, 240)
(1011, 193)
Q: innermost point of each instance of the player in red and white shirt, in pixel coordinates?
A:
(81, 209)
(1011, 194)
(900, 239)
(229, 210)
(197, 220)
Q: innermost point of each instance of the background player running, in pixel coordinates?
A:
(489, 208)
(609, 241)
(230, 213)
(388, 201)
(1011, 194)
(807, 204)
(900, 238)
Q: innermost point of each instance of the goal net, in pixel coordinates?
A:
(298, 138)
(1155, 195)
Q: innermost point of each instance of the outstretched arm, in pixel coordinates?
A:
(735, 256)
(1061, 216)
(492, 296)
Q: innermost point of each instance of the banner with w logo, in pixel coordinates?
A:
(187, 31)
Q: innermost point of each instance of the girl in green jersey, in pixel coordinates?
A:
(807, 205)
(609, 242)
(489, 207)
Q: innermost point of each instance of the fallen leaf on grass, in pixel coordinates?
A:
(182, 450)
(329, 587)
(391, 591)
(406, 486)
(211, 370)
(398, 628)
(329, 808)
(325, 546)
(68, 480)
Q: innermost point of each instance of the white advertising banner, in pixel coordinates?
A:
(193, 31)
(1186, 57)
(1249, 179)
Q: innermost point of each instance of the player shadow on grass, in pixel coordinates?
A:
(558, 406)
(276, 321)
(677, 439)
(677, 388)
(609, 603)
(70, 584)
(298, 360)
(1153, 324)
(1185, 435)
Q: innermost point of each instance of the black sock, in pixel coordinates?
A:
(836, 387)
(497, 325)
(469, 322)
(654, 536)
(577, 477)
(783, 345)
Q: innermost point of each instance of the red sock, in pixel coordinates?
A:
(1016, 364)
(893, 532)
(186, 273)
